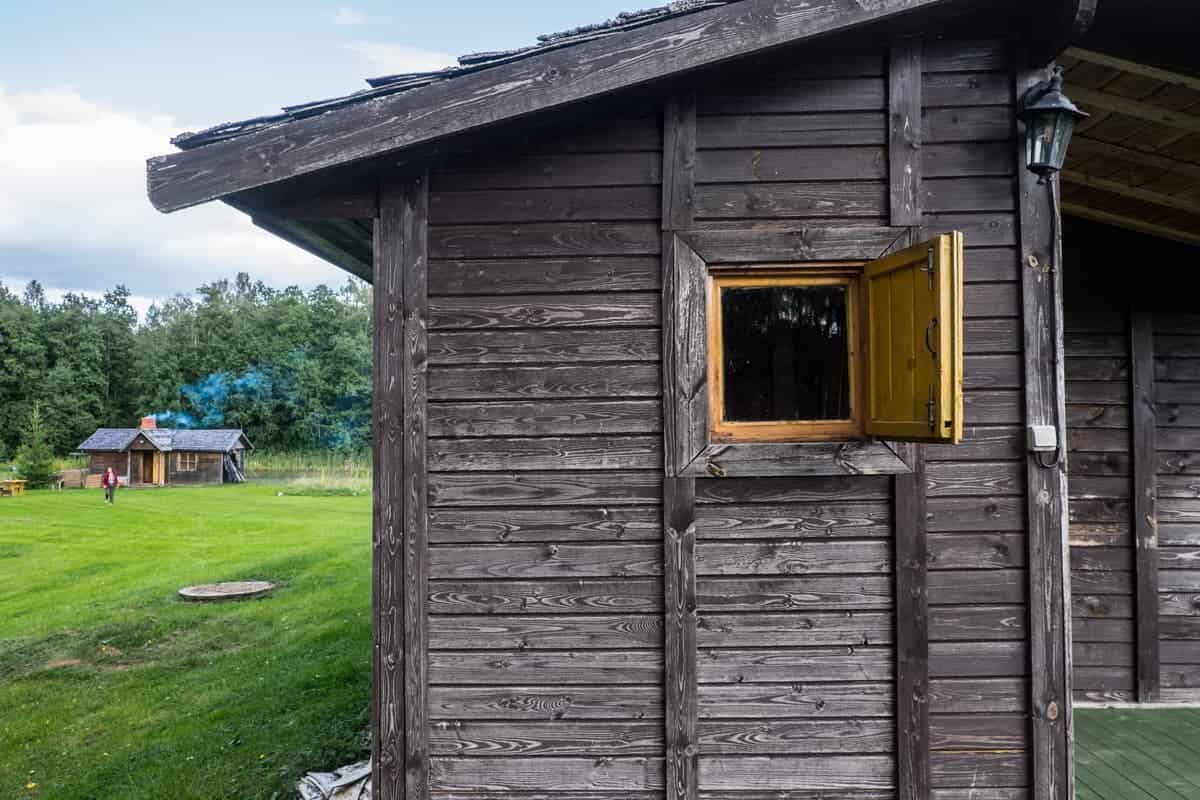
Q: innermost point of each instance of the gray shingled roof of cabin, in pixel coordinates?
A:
(474, 62)
(200, 441)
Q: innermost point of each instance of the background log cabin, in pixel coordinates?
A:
(153, 456)
(554, 617)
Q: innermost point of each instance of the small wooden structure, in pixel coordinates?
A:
(12, 488)
(609, 563)
(153, 456)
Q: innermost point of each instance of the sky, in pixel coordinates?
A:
(90, 90)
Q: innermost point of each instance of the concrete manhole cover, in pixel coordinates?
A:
(231, 590)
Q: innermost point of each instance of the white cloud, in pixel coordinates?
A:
(74, 192)
(345, 15)
(385, 58)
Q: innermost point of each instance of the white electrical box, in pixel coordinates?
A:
(1042, 438)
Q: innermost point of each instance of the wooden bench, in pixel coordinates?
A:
(12, 488)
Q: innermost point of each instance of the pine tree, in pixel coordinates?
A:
(35, 459)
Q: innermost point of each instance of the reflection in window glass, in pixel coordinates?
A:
(785, 353)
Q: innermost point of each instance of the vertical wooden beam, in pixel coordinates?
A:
(912, 631)
(1045, 404)
(387, 557)
(1145, 495)
(678, 213)
(904, 140)
(416, 518)
(679, 590)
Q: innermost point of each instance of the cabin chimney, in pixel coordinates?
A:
(149, 423)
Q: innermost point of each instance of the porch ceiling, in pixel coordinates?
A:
(1136, 162)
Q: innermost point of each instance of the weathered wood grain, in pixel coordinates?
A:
(387, 557)
(806, 629)
(545, 311)
(976, 551)
(520, 632)
(793, 557)
(1045, 398)
(792, 490)
(812, 664)
(680, 641)
(574, 452)
(588, 203)
(549, 560)
(544, 346)
(1145, 495)
(539, 170)
(545, 418)
(834, 520)
(678, 164)
(576, 596)
(978, 659)
(761, 243)
(825, 94)
(524, 382)
(806, 459)
(546, 774)
(913, 622)
(547, 702)
(807, 593)
(978, 732)
(560, 738)
(536, 668)
(794, 200)
(797, 701)
(797, 773)
(796, 737)
(977, 623)
(906, 193)
(733, 131)
(542, 488)
(541, 275)
(685, 355)
(555, 525)
(550, 239)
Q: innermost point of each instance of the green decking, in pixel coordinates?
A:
(1135, 754)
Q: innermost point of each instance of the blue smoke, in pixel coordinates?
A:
(178, 419)
(210, 397)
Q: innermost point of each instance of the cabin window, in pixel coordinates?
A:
(187, 462)
(784, 355)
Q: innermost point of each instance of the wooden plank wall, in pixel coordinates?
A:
(1177, 403)
(1102, 549)
(545, 458)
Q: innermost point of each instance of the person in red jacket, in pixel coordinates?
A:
(110, 482)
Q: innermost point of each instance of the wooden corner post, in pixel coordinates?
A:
(1145, 495)
(1045, 404)
(908, 490)
(399, 703)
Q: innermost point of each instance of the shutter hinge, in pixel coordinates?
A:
(931, 406)
(930, 268)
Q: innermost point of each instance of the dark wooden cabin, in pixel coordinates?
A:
(153, 456)
(625, 546)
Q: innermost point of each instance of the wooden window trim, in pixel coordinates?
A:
(187, 462)
(689, 256)
(724, 431)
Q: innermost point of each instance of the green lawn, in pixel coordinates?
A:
(111, 687)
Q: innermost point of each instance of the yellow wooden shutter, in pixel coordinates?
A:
(914, 342)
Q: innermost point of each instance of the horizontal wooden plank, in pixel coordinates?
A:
(544, 239)
(524, 382)
(541, 275)
(977, 732)
(794, 200)
(966, 89)
(1095, 440)
(992, 407)
(1078, 321)
(572, 452)
(1180, 557)
(533, 668)
(545, 418)
(462, 312)
(1097, 416)
(956, 54)
(797, 773)
(556, 488)
(1109, 393)
(804, 629)
(797, 736)
(812, 95)
(547, 774)
(983, 442)
(794, 700)
(791, 164)
(599, 523)
(990, 264)
(542, 170)
(979, 230)
(793, 557)
(588, 596)
(973, 160)
(521, 632)
(958, 587)
(967, 124)
(1102, 583)
(1179, 535)
(1180, 651)
(792, 521)
(991, 335)
(991, 300)
(977, 623)
(1102, 630)
(1099, 464)
(1179, 603)
(792, 490)
(978, 659)
(974, 479)
(618, 701)
(811, 664)
(808, 593)
(585, 203)
(976, 551)
(1101, 559)
(964, 769)
(948, 514)
(1176, 392)
(1088, 487)
(948, 195)
(1101, 534)
(549, 560)
(1179, 628)
(1110, 345)
(544, 346)
(991, 372)
(1104, 654)
(560, 738)
(1097, 369)
(978, 695)
(1178, 415)
(791, 130)
(1102, 606)
(730, 242)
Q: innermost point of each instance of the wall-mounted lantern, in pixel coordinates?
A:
(1050, 118)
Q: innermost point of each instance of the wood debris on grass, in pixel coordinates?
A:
(348, 783)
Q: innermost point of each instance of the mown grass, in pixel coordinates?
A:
(112, 687)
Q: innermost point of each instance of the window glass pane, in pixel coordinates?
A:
(785, 353)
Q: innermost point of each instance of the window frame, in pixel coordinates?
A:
(192, 464)
(689, 257)
(784, 431)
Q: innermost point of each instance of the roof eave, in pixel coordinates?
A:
(554, 79)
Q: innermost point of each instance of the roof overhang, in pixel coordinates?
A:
(360, 131)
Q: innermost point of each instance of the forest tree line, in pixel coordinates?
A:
(290, 367)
